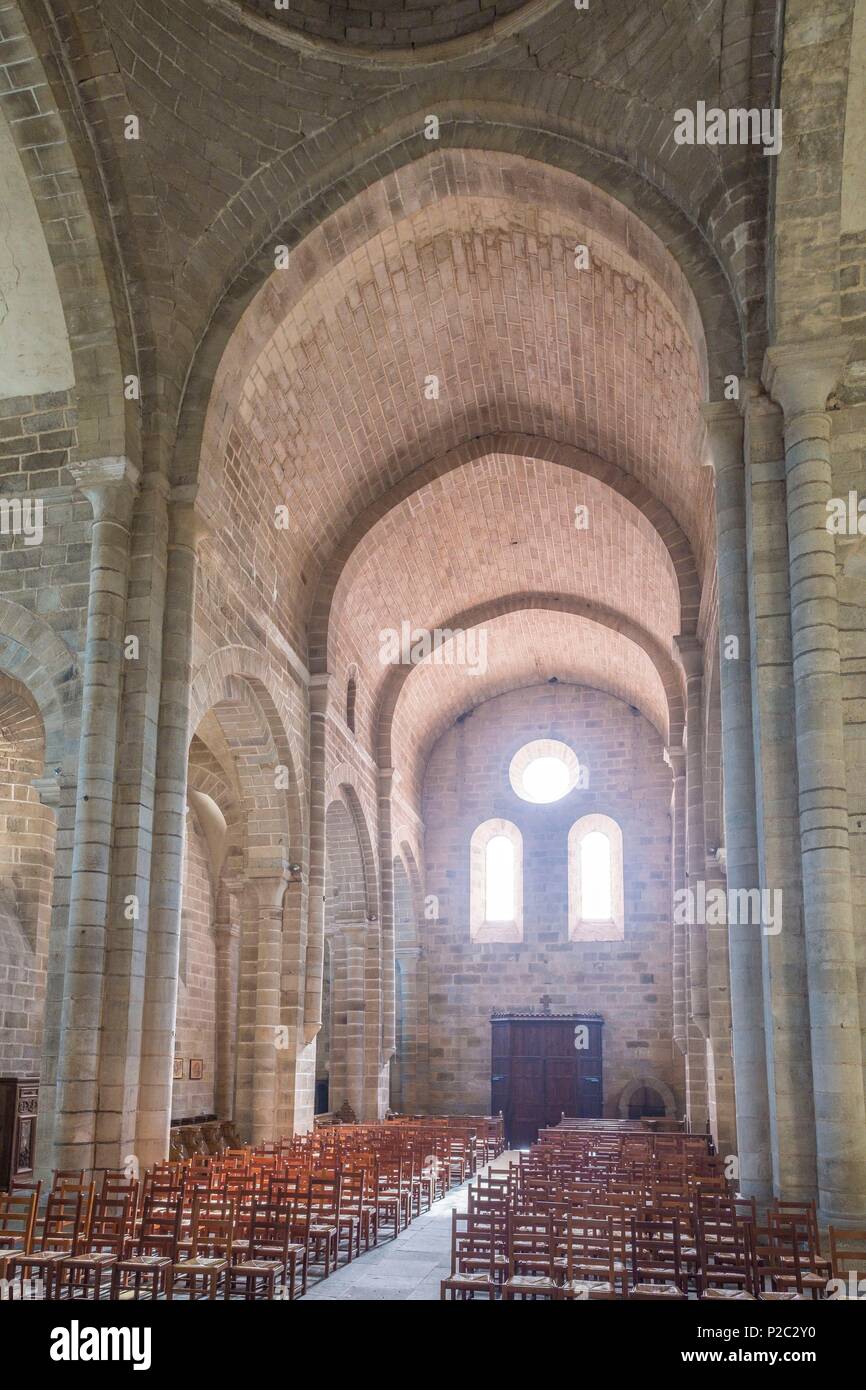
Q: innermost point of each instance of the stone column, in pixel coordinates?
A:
(720, 1066)
(126, 937)
(725, 439)
(227, 932)
(409, 958)
(59, 794)
(786, 1002)
(676, 761)
(352, 1004)
(800, 377)
(271, 891)
(315, 961)
(692, 660)
(110, 486)
(386, 778)
(186, 530)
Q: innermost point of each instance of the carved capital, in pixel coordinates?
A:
(691, 655)
(724, 435)
(110, 486)
(187, 527)
(800, 376)
(321, 689)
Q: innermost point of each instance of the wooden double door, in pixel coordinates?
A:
(544, 1068)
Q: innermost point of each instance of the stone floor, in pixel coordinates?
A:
(408, 1268)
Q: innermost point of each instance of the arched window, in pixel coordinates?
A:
(595, 886)
(496, 882)
(351, 696)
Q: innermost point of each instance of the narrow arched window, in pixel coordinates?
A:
(496, 882)
(351, 695)
(595, 880)
(499, 879)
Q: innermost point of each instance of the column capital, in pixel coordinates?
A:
(187, 527)
(321, 689)
(676, 761)
(110, 486)
(269, 876)
(691, 654)
(724, 435)
(388, 778)
(800, 376)
(408, 952)
(47, 788)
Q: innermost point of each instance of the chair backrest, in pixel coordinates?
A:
(67, 1218)
(656, 1247)
(592, 1248)
(847, 1252)
(110, 1221)
(530, 1244)
(212, 1227)
(160, 1228)
(17, 1220)
(67, 1177)
(776, 1259)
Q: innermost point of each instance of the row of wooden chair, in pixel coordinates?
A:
(251, 1222)
(525, 1235)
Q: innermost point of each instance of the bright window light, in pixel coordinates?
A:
(499, 880)
(595, 886)
(546, 779)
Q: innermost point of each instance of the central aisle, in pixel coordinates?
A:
(410, 1267)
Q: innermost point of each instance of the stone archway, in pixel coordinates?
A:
(651, 1083)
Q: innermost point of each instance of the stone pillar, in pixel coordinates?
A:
(186, 530)
(271, 891)
(409, 958)
(315, 956)
(676, 761)
(800, 377)
(725, 439)
(386, 872)
(110, 486)
(227, 932)
(59, 794)
(692, 661)
(126, 938)
(786, 1003)
(353, 1004)
(720, 1066)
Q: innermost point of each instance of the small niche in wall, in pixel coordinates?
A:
(351, 696)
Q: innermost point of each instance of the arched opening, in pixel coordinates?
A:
(352, 942)
(27, 836)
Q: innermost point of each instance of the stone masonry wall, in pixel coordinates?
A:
(196, 995)
(628, 981)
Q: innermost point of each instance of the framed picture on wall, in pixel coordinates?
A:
(196, 1068)
(177, 1074)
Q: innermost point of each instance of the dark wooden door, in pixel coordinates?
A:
(542, 1069)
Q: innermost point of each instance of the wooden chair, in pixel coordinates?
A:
(88, 1274)
(209, 1252)
(66, 1221)
(353, 1216)
(778, 1276)
(17, 1226)
(473, 1259)
(592, 1266)
(657, 1267)
(848, 1255)
(154, 1251)
(802, 1217)
(266, 1255)
(320, 1218)
(725, 1259)
(531, 1258)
